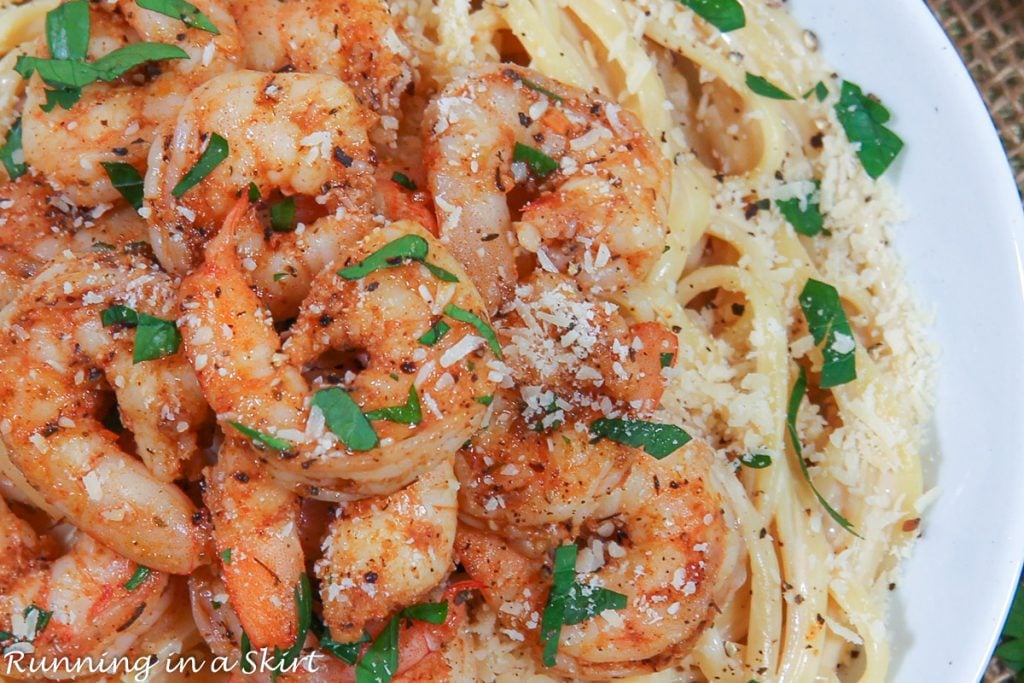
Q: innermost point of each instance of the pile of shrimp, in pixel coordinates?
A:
(328, 387)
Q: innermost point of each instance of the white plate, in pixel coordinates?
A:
(962, 252)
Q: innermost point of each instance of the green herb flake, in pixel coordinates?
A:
(863, 119)
(485, 400)
(725, 15)
(804, 214)
(138, 578)
(541, 89)
(394, 254)
(827, 321)
(280, 276)
(344, 418)
(225, 556)
(186, 12)
(409, 413)
(268, 440)
(215, 152)
(42, 618)
(570, 602)
(756, 460)
(346, 652)
(101, 246)
(792, 411)
(380, 663)
(126, 180)
(282, 215)
(667, 359)
(658, 440)
(1011, 643)
(254, 193)
(11, 154)
(819, 89)
(154, 337)
(435, 333)
(484, 330)
(303, 593)
(248, 666)
(405, 181)
(765, 88)
(540, 163)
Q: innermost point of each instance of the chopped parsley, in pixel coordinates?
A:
(799, 389)
(540, 163)
(42, 618)
(666, 359)
(435, 333)
(485, 400)
(154, 337)
(254, 193)
(819, 89)
(394, 254)
(126, 180)
(345, 419)
(658, 440)
(268, 440)
(188, 13)
(725, 15)
(138, 578)
(765, 88)
(11, 154)
(380, 662)
(282, 215)
(827, 321)
(804, 214)
(863, 118)
(215, 152)
(756, 460)
(225, 556)
(405, 181)
(409, 413)
(484, 330)
(570, 602)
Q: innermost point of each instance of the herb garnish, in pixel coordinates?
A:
(570, 602)
(540, 163)
(756, 459)
(808, 220)
(658, 440)
(864, 118)
(304, 611)
(42, 619)
(799, 389)
(254, 193)
(394, 254)
(346, 652)
(188, 13)
(11, 154)
(765, 88)
(1011, 643)
(666, 359)
(215, 152)
(409, 413)
(482, 328)
(126, 180)
(225, 556)
(154, 337)
(485, 400)
(819, 89)
(435, 333)
(725, 15)
(827, 321)
(137, 579)
(345, 419)
(282, 215)
(405, 181)
(541, 89)
(380, 663)
(268, 440)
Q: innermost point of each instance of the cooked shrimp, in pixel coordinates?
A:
(256, 529)
(116, 122)
(354, 40)
(77, 605)
(663, 548)
(300, 136)
(600, 208)
(56, 361)
(386, 553)
(375, 322)
(36, 227)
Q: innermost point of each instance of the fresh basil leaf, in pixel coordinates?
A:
(119, 315)
(67, 73)
(248, 666)
(430, 612)
(345, 419)
(1011, 643)
(42, 618)
(12, 156)
(583, 602)
(216, 152)
(64, 97)
(282, 215)
(482, 328)
(792, 411)
(440, 273)
(827, 321)
(188, 13)
(280, 276)
(268, 440)
(405, 181)
(725, 15)
(380, 662)
(115, 64)
(819, 89)
(666, 359)
(254, 193)
(155, 338)
(138, 578)
(756, 460)
(808, 220)
(67, 30)
(863, 119)
(541, 89)
(126, 180)
(346, 652)
(435, 333)
(394, 254)
(658, 440)
(409, 413)
(303, 593)
(540, 163)
(765, 88)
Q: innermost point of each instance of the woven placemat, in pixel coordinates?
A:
(990, 37)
